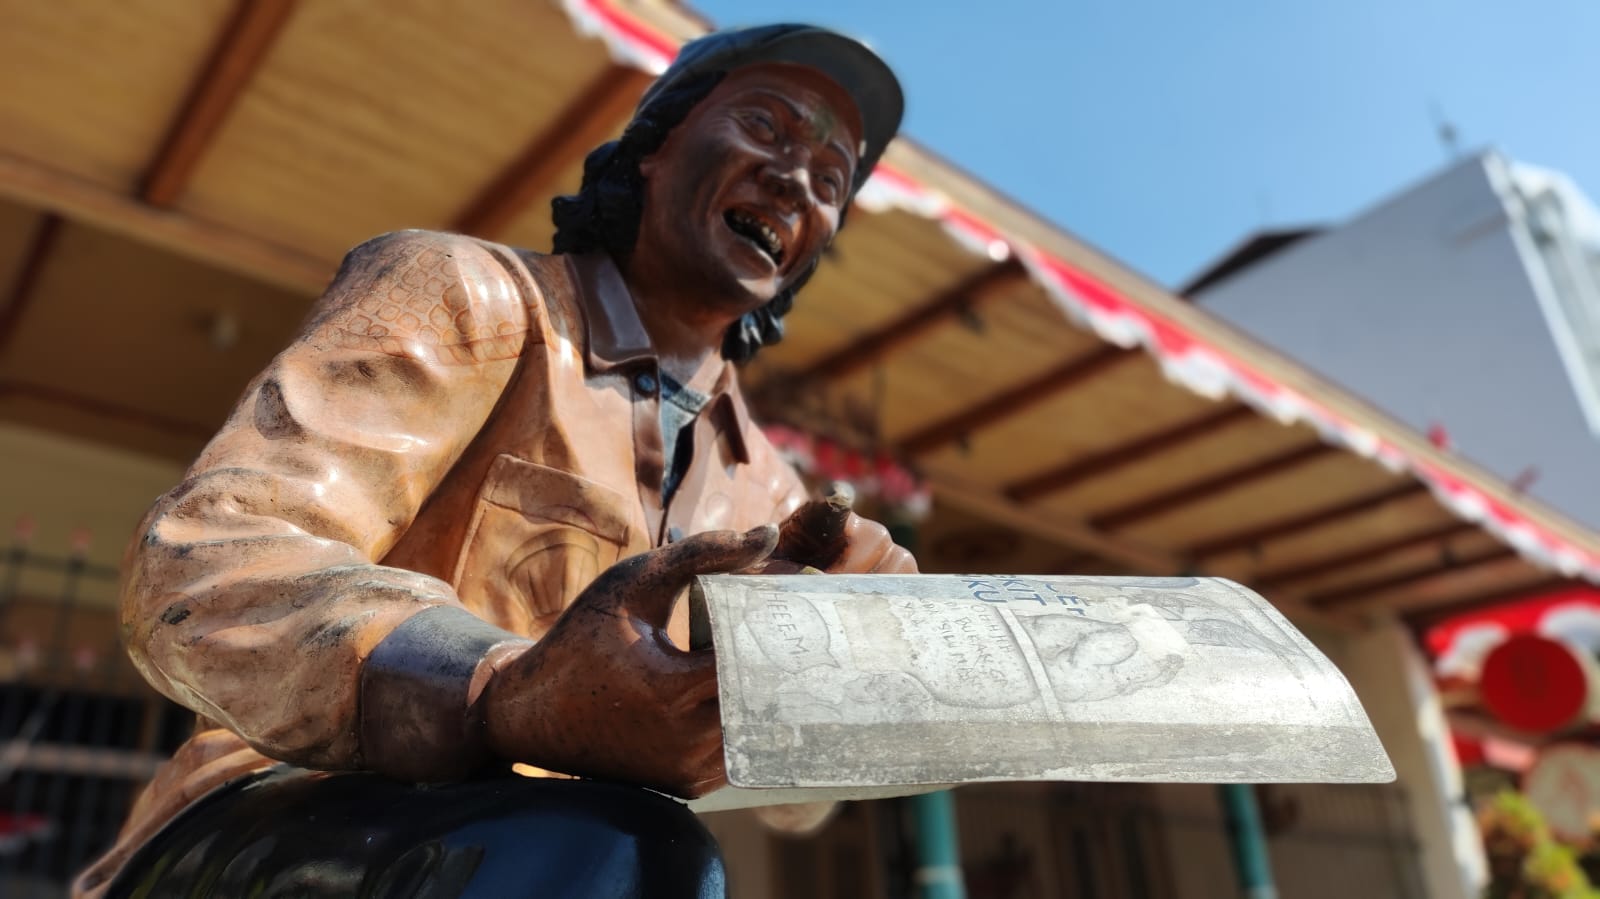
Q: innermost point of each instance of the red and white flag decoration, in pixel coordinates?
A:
(1460, 645)
(1184, 358)
(874, 475)
(631, 42)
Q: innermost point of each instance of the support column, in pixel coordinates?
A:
(1251, 862)
(1391, 678)
(938, 874)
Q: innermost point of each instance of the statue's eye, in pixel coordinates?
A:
(832, 184)
(762, 126)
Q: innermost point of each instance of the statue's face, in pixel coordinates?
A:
(749, 188)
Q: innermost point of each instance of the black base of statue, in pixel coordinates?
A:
(288, 832)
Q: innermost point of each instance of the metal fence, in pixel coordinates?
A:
(1084, 841)
(79, 730)
(1325, 840)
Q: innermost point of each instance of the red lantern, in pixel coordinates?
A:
(1535, 684)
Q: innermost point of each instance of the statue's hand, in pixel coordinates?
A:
(826, 535)
(606, 694)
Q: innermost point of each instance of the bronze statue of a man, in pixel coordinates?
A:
(444, 530)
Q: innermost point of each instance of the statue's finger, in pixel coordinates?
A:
(710, 768)
(898, 560)
(698, 687)
(653, 587)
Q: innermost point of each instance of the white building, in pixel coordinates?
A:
(1469, 303)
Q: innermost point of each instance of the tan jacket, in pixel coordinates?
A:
(459, 424)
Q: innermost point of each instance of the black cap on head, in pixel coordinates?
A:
(864, 76)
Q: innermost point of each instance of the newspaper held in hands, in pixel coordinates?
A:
(857, 686)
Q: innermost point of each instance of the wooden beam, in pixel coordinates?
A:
(102, 409)
(587, 120)
(1161, 503)
(1356, 592)
(1079, 470)
(964, 296)
(21, 290)
(82, 761)
(40, 562)
(1546, 583)
(238, 53)
(1014, 400)
(1132, 556)
(1075, 562)
(1307, 521)
(32, 184)
(1367, 553)
(984, 504)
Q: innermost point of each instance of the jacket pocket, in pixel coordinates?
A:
(538, 537)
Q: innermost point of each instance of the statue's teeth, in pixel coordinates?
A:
(759, 230)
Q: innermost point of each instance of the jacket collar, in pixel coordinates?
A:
(614, 337)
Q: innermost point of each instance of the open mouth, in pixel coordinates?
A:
(757, 232)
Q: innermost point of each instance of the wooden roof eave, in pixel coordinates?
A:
(1027, 500)
(71, 197)
(1016, 220)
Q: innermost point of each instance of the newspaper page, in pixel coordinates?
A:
(843, 685)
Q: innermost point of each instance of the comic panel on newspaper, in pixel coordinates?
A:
(949, 678)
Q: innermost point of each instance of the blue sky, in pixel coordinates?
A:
(1163, 132)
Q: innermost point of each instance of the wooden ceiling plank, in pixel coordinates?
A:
(1161, 503)
(78, 199)
(21, 290)
(1079, 470)
(590, 117)
(53, 396)
(985, 504)
(240, 49)
(1355, 592)
(1546, 583)
(964, 296)
(1134, 557)
(1014, 400)
(1308, 521)
(1372, 551)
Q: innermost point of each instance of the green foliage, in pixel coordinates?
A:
(1525, 862)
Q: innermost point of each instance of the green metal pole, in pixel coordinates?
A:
(938, 874)
(1250, 859)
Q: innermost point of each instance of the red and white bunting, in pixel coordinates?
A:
(1184, 358)
(873, 475)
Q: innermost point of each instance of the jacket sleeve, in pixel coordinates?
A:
(252, 592)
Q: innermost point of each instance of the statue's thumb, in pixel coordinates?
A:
(652, 595)
(815, 534)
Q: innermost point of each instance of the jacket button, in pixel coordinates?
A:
(644, 382)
